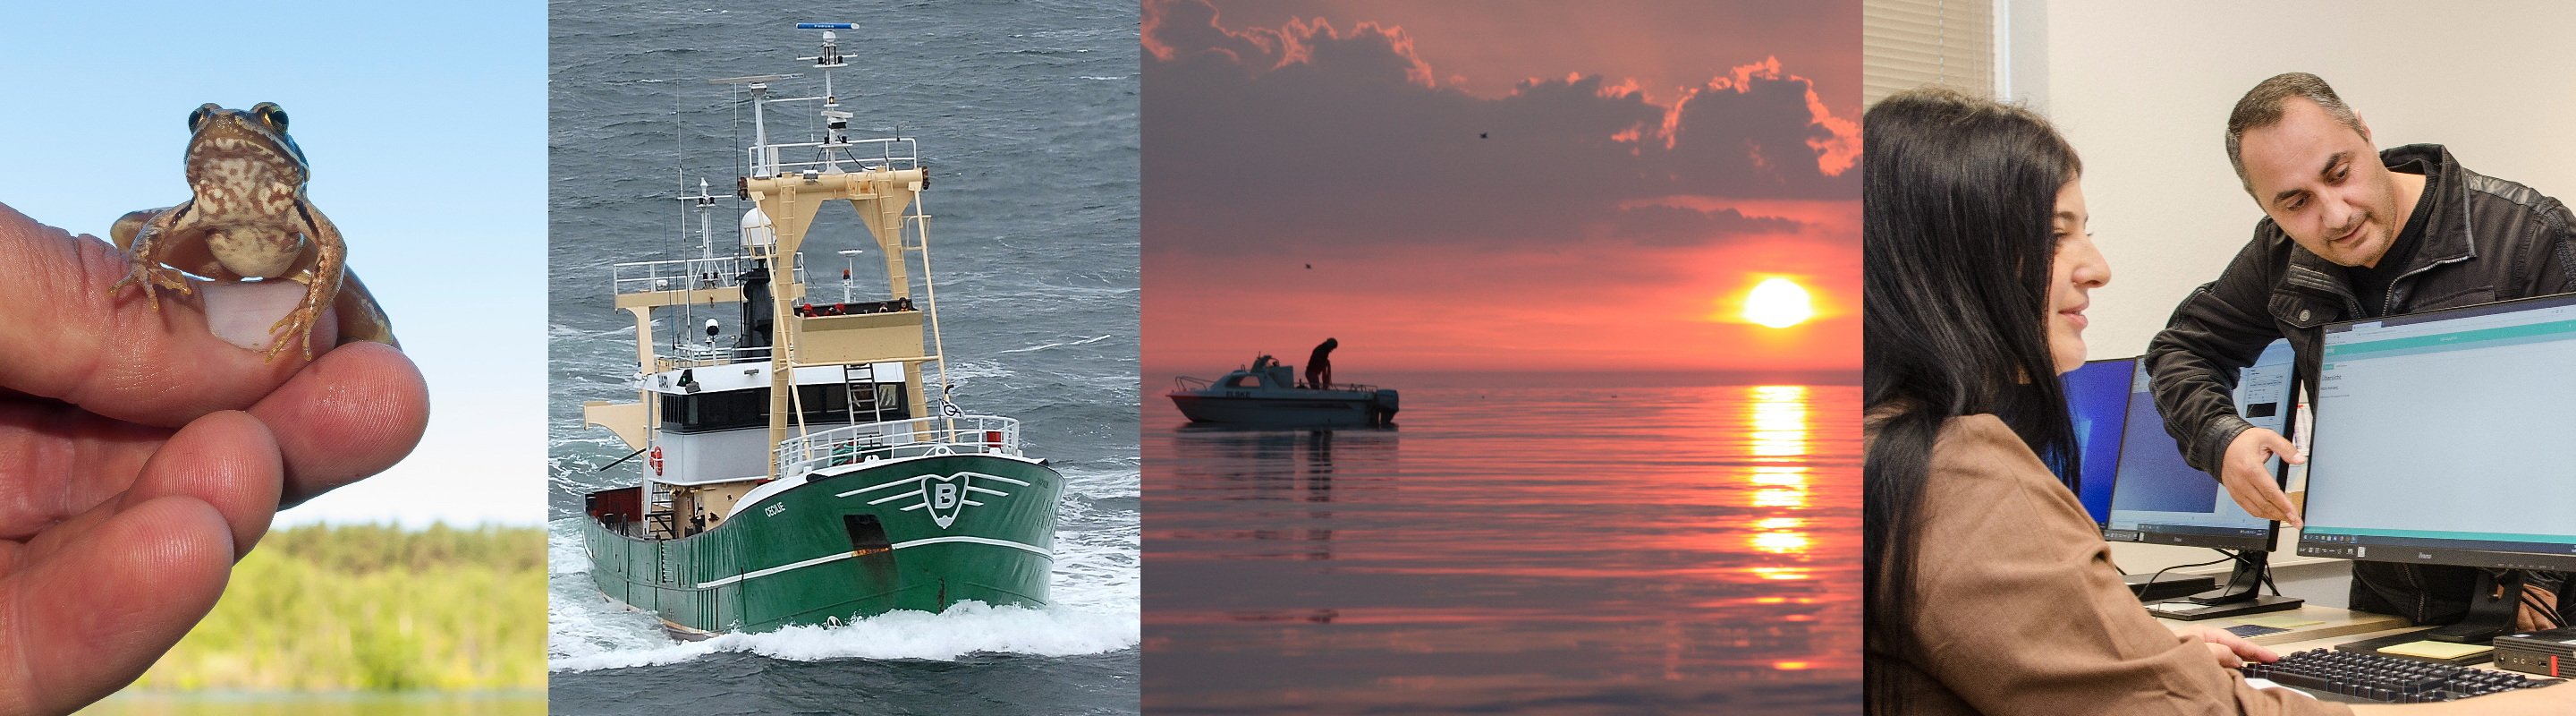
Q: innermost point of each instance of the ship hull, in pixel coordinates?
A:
(1284, 411)
(852, 541)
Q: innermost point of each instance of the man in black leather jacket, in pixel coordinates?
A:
(2345, 237)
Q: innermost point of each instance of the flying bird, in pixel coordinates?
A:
(1480, 135)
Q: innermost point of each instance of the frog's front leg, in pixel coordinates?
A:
(129, 225)
(320, 285)
(149, 235)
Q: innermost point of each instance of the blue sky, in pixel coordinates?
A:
(425, 125)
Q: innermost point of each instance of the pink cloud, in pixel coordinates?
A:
(1310, 135)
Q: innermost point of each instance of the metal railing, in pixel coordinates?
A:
(961, 435)
(695, 355)
(850, 155)
(684, 274)
(676, 275)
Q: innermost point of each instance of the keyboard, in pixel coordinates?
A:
(2388, 679)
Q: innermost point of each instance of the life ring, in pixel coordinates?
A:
(656, 459)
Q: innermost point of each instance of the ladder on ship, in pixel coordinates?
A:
(659, 514)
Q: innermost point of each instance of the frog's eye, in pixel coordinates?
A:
(274, 115)
(196, 117)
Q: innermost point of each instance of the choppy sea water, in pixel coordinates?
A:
(1026, 114)
(1595, 550)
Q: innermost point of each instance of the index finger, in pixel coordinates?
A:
(2241, 646)
(115, 355)
(2281, 500)
(2226, 657)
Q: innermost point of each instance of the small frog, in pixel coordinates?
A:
(248, 218)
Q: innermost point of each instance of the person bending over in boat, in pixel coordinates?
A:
(1319, 365)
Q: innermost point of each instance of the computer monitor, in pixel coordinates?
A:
(2097, 400)
(2158, 499)
(2448, 437)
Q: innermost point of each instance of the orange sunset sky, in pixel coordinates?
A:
(1499, 186)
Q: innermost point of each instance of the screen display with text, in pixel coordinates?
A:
(2448, 437)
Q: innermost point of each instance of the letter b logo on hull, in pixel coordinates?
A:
(944, 495)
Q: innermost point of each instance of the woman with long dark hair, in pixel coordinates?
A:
(1987, 590)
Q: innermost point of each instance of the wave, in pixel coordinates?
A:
(564, 552)
(1083, 342)
(965, 370)
(965, 628)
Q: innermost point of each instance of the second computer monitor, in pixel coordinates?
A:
(2159, 499)
(2448, 437)
(2097, 400)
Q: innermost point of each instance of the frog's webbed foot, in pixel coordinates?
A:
(297, 327)
(146, 274)
(144, 233)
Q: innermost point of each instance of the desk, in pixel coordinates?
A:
(2338, 626)
(2328, 643)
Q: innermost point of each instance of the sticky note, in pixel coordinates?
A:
(2436, 649)
(2282, 621)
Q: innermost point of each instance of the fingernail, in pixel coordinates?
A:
(243, 313)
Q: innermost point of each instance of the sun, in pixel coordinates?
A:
(1778, 303)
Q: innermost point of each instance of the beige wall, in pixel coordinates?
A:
(2143, 91)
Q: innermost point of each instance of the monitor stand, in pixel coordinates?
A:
(2169, 586)
(2242, 595)
(2491, 610)
(2491, 613)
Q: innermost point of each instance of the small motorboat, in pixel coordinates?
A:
(1267, 394)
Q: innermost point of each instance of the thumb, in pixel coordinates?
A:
(2289, 451)
(116, 355)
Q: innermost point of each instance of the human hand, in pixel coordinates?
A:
(2231, 651)
(2250, 483)
(141, 453)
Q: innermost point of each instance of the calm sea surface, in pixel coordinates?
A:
(1026, 113)
(1512, 549)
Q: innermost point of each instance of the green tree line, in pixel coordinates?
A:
(373, 607)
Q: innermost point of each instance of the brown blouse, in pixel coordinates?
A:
(2017, 610)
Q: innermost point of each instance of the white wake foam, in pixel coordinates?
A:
(1044, 346)
(966, 628)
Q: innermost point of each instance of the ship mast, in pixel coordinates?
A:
(788, 195)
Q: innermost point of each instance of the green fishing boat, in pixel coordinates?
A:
(794, 470)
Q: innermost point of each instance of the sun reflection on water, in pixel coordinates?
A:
(1781, 542)
(1779, 440)
(1780, 421)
